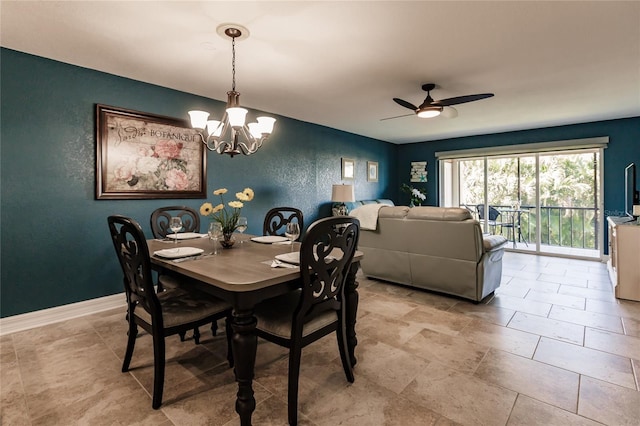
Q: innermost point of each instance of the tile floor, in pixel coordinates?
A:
(552, 347)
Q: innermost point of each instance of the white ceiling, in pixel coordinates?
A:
(339, 64)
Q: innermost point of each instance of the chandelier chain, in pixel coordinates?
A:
(233, 63)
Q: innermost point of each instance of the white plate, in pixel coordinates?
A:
(185, 235)
(175, 253)
(292, 258)
(269, 239)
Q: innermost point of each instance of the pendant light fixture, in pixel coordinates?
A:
(231, 135)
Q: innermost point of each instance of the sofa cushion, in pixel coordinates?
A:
(439, 213)
(398, 212)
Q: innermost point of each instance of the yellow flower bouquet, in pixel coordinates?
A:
(228, 219)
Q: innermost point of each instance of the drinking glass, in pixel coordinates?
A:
(215, 232)
(175, 224)
(292, 232)
(241, 226)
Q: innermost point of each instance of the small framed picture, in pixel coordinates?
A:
(348, 168)
(372, 171)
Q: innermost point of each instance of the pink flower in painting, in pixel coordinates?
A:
(177, 180)
(168, 149)
(145, 152)
(124, 172)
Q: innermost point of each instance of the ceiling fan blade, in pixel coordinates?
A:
(462, 99)
(397, 116)
(449, 112)
(405, 104)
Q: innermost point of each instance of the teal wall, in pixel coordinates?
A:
(623, 148)
(55, 247)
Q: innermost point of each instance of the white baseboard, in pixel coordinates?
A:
(29, 320)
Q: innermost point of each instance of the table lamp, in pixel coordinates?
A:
(342, 194)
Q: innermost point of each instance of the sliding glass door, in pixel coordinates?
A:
(569, 216)
(546, 202)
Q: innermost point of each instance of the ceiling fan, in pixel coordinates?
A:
(430, 108)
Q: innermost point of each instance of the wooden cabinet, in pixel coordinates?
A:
(624, 257)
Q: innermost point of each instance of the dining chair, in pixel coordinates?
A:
(317, 309)
(160, 314)
(160, 220)
(276, 220)
(493, 219)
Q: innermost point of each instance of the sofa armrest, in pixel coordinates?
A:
(493, 242)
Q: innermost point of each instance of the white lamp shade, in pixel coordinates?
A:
(214, 127)
(636, 210)
(236, 116)
(199, 119)
(266, 124)
(342, 194)
(255, 129)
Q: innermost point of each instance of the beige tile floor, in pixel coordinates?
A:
(552, 347)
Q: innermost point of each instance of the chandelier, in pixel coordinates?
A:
(231, 135)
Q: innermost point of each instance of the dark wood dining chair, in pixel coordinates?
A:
(299, 318)
(160, 314)
(159, 221)
(276, 220)
(161, 217)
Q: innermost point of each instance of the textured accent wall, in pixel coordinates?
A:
(55, 242)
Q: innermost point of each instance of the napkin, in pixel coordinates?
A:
(277, 264)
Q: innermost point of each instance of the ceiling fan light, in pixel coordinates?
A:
(429, 112)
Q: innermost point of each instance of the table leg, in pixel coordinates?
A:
(244, 344)
(351, 295)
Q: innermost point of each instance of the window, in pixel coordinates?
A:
(546, 201)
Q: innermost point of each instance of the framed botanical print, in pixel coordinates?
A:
(141, 155)
(348, 168)
(372, 171)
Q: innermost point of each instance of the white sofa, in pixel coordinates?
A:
(434, 248)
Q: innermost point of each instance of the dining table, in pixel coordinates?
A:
(244, 276)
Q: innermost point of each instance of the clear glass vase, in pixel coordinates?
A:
(228, 240)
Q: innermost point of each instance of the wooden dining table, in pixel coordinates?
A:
(243, 276)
